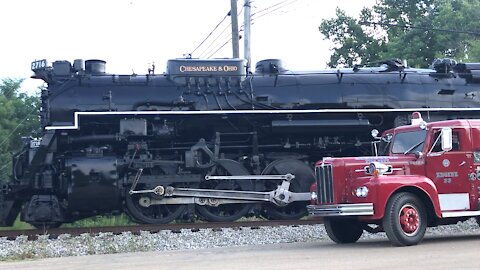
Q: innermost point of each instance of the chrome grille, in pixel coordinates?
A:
(324, 177)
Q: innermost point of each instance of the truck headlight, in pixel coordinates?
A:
(313, 196)
(361, 192)
(377, 168)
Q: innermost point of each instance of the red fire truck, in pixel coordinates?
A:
(426, 174)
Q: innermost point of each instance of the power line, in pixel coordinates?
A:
(4, 173)
(203, 41)
(409, 26)
(272, 6)
(213, 44)
(278, 6)
(212, 49)
(230, 39)
(20, 124)
(208, 49)
(217, 48)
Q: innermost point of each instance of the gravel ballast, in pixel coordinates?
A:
(107, 243)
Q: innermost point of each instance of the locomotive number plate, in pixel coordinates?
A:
(35, 143)
(39, 64)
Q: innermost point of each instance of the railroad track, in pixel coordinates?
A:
(136, 229)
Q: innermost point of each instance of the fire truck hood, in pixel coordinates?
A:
(355, 167)
(367, 160)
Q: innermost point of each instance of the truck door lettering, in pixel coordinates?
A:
(447, 174)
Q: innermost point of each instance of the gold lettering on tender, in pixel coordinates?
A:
(225, 68)
(230, 68)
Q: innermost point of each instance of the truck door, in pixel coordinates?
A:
(475, 174)
(451, 170)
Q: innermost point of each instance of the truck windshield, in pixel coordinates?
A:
(384, 144)
(409, 142)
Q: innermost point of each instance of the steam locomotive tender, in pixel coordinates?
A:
(208, 138)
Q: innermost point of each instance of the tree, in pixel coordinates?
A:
(18, 117)
(352, 41)
(416, 30)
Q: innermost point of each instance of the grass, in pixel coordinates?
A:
(98, 221)
(18, 225)
(104, 221)
(101, 221)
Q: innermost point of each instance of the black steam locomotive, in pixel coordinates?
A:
(207, 138)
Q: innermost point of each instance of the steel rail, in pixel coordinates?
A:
(33, 234)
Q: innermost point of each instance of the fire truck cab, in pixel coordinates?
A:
(427, 174)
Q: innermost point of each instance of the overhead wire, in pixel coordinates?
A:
(285, 3)
(223, 45)
(409, 26)
(212, 47)
(215, 28)
(2, 173)
(21, 122)
(209, 49)
(266, 11)
(270, 7)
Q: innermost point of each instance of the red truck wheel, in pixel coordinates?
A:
(405, 220)
(343, 231)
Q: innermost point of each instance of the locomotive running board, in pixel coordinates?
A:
(76, 115)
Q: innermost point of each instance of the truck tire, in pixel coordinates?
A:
(343, 231)
(478, 220)
(405, 219)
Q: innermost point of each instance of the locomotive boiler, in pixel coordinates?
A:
(207, 138)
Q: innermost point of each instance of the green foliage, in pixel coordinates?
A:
(440, 28)
(18, 117)
(352, 42)
(101, 221)
(18, 225)
(97, 221)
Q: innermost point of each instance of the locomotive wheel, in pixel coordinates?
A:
(304, 177)
(343, 231)
(154, 214)
(405, 220)
(226, 212)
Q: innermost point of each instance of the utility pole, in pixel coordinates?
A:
(235, 39)
(246, 37)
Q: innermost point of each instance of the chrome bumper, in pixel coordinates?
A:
(358, 209)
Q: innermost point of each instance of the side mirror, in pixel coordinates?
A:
(446, 139)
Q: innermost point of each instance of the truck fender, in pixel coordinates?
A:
(421, 186)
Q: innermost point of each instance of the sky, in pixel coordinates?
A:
(132, 34)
